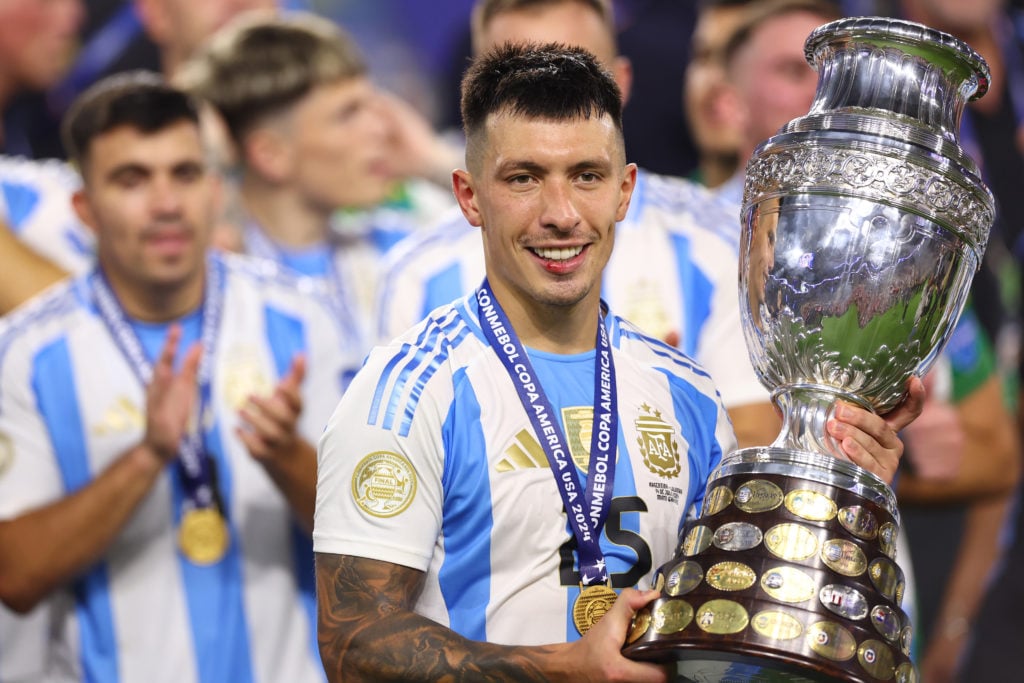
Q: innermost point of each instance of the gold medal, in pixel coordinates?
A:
(203, 536)
(590, 606)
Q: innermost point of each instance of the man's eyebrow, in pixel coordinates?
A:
(523, 165)
(535, 168)
(130, 167)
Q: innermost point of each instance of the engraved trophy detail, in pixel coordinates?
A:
(863, 224)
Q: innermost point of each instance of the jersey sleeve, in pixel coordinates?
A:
(379, 483)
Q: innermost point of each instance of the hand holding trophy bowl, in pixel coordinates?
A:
(863, 224)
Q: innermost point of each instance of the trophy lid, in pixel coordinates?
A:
(896, 68)
(955, 56)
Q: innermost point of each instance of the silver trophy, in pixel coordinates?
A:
(863, 224)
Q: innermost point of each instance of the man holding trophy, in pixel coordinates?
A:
(462, 533)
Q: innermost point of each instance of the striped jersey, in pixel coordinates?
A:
(430, 462)
(35, 202)
(70, 404)
(673, 273)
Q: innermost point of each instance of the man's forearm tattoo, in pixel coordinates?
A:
(368, 631)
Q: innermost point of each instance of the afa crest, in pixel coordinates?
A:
(658, 443)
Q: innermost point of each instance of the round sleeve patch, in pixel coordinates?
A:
(384, 484)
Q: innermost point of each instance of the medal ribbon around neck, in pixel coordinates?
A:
(192, 462)
(259, 244)
(587, 517)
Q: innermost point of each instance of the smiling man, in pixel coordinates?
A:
(498, 473)
(159, 483)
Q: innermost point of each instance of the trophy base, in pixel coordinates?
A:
(788, 574)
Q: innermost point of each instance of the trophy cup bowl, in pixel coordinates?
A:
(863, 224)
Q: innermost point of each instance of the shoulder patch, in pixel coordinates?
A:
(384, 484)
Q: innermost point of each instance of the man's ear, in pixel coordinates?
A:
(83, 209)
(268, 154)
(465, 195)
(622, 71)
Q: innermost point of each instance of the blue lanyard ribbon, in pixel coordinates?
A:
(193, 464)
(586, 517)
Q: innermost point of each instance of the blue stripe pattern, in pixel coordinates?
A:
(464, 576)
(421, 361)
(216, 607)
(287, 336)
(385, 375)
(53, 381)
(696, 292)
(693, 410)
(663, 350)
(213, 593)
(428, 372)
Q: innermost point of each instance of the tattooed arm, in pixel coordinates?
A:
(368, 632)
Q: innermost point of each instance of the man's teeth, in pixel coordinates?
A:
(561, 254)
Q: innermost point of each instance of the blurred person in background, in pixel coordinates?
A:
(977, 638)
(157, 419)
(39, 237)
(714, 131)
(673, 270)
(310, 140)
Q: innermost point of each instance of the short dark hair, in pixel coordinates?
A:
(140, 99)
(551, 81)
